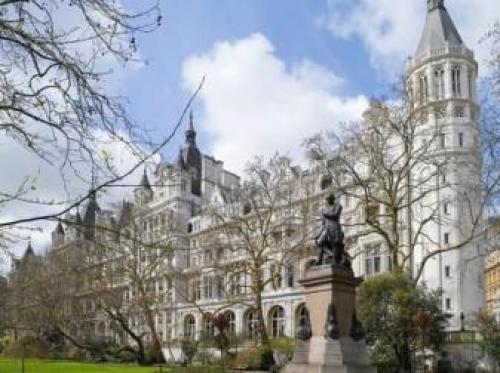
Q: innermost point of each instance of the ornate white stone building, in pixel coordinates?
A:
(441, 76)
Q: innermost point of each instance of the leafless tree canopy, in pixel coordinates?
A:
(390, 167)
(56, 69)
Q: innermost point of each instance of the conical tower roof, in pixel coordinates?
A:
(439, 30)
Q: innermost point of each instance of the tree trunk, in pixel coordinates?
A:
(264, 338)
(156, 344)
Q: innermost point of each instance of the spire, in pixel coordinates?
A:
(29, 250)
(145, 181)
(439, 30)
(89, 217)
(190, 132)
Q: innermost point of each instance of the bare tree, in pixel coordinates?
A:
(131, 270)
(394, 170)
(57, 59)
(263, 227)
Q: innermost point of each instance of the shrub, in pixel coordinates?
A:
(28, 347)
(283, 345)
(254, 358)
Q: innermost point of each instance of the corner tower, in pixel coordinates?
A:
(440, 80)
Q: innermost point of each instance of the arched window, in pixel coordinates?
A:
(277, 321)
(439, 83)
(455, 81)
(231, 321)
(423, 89)
(251, 324)
(189, 327)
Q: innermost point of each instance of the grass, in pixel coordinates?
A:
(48, 366)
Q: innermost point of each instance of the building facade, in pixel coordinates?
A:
(492, 273)
(440, 78)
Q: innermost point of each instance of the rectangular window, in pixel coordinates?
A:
(446, 238)
(376, 264)
(447, 271)
(290, 276)
(448, 303)
(368, 267)
(461, 139)
(442, 140)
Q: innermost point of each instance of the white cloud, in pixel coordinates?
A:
(255, 104)
(390, 30)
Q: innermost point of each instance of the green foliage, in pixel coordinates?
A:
(28, 346)
(153, 356)
(282, 344)
(489, 328)
(254, 358)
(47, 366)
(4, 341)
(390, 306)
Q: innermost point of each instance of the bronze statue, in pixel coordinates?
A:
(331, 238)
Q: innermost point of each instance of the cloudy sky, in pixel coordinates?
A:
(276, 71)
(280, 70)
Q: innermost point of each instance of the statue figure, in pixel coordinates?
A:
(331, 238)
(331, 327)
(304, 331)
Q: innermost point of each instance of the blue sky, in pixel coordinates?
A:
(321, 60)
(193, 26)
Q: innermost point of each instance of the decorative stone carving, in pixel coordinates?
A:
(331, 327)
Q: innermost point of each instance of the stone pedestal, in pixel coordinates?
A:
(325, 285)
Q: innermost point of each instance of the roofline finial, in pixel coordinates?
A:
(191, 120)
(434, 4)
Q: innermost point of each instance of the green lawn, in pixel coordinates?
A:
(42, 366)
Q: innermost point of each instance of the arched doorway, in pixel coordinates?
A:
(189, 327)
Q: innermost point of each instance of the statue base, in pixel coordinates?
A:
(324, 286)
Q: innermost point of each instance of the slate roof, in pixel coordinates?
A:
(439, 30)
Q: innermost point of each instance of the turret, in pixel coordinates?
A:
(441, 84)
(58, 235)
(90, 217)
(143, 193)
(189, 158)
